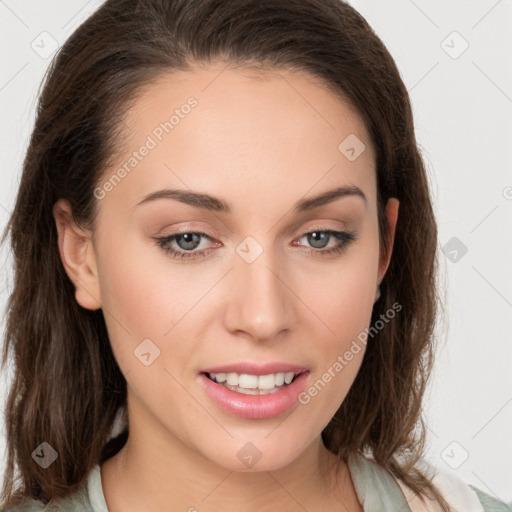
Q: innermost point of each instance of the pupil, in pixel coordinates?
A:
(190, 243)
(323, 237)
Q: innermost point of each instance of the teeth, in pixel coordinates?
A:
(263, 382)
(288, 377)
(232, 379)
(247, 381)
(253, 382)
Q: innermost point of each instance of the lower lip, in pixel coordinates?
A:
(255, 407)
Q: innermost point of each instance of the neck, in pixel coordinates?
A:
(158, 471)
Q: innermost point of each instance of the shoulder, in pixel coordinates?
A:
(462, 497)
(491, 504)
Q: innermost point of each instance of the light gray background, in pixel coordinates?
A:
(462, 104)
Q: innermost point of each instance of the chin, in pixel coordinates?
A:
(260, 454)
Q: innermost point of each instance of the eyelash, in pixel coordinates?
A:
(346, 238)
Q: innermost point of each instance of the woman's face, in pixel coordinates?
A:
(244, 289)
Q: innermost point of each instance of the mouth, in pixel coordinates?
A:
(254, 392)
(248, 384)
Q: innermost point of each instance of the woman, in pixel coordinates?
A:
(225, 262)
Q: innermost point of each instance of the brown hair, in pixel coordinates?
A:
(67, 386)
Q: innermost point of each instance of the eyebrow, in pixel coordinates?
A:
(208, 202)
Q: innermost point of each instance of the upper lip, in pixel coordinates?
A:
(250, 368)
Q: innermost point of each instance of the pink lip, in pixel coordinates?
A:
(256, 369)
(254, 406)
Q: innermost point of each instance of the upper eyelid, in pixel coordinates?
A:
(211, 236)
(172, 236)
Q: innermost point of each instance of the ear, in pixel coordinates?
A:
(78, 256)
(392, 216)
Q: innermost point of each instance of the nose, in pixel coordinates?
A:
(259, 303)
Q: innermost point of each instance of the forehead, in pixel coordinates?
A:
(237, 92)
(218, 127)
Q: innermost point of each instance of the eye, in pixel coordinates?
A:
(183, 245)
(187, 242)
(319, 239)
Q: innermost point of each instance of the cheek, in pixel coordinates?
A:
(146, 295)
(344, 313)
(342, 300)
(132, 308)
(345, 316)
(144, 289)
(342, 297)
(141, 308)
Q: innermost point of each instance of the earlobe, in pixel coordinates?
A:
(77, 256)
(392, 216)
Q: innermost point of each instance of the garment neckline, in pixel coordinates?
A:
(375, 487)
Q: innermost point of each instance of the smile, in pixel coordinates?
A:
(254, 392)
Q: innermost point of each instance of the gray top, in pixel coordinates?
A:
(376, 488)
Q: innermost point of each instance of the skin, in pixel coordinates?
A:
(261, 144)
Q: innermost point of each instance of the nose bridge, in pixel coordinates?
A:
(260, 305)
